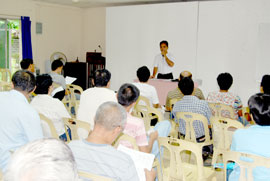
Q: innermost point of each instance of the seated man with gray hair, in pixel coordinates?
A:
(96, 155)
(44, 159)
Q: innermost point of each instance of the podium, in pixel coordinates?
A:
(95, 62)
(84, 71)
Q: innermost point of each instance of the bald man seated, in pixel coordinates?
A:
(177, 94)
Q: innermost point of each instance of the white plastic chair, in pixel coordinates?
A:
(222, 110)
(190, 135)
(246, 162)
(179, 169)
(75, 125)
(146, 112)
(50, 124)
(223, 129)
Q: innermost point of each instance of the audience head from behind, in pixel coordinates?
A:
(185, 74)
(224, 81)
(265, 84)
(57, 66)
(44, 84)
(102, 78)
(110, 119)
(28, 64)
(186, 85)
(127, 95)
(24, 81)
(44, 159)
(259, 106)
(143, 74)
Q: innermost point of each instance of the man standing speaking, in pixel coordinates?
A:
(164, 62)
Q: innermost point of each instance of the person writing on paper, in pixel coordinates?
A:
(164, 62)
(95, 153)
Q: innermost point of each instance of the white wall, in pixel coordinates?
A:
(93, 31)
(133, 34)
(228, 41)
(61, 32)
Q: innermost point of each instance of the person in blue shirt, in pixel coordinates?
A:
(19, 123)
(255, 139)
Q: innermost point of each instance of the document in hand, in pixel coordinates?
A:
(70, 80)
(141, 160)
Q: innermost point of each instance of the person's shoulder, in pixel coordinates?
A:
(134, 120)
(75, 143)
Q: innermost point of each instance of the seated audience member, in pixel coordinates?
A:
(191, 103)
(28, 64)
(93, 97)
(58, 79)
(50, 107)
(177, 94)
(95, 153)
(45, 159)
(127, 96)
(223, 96)
(19, 123)
(254, 139)
(146, 90)
(265, 84)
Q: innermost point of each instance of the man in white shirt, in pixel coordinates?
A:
(92, 98)
(50, 107)
(164, 62)
(146, 90)
(19, 123)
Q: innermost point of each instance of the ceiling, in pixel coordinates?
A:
(106, 3)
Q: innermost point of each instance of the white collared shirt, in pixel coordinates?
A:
(19, 124)
(90, 100)
(53, 109)
(162, 65)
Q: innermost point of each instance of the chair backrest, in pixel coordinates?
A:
(146, 112)
(246, 162)
(5, 75)
(222, 110)
(75, 125)
(142, 101)
(125, 138)
(172, 102)
(168, 144)
(93, 176)
(223, 129)
(50, 124)
(190, 120)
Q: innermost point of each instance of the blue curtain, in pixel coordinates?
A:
(26, 37)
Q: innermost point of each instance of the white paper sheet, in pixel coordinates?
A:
(141, 160)
(70, 80)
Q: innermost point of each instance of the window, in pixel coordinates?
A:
(10, 44)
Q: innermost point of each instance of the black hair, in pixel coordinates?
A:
(102, 77)
(143, 74)
(25, 63)
(225, 81)
(164, 42)
(259, 106)
(57, 63)
(127, 94)
(43, 83)
(186, 85)
(265, 84)
(24, 80)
